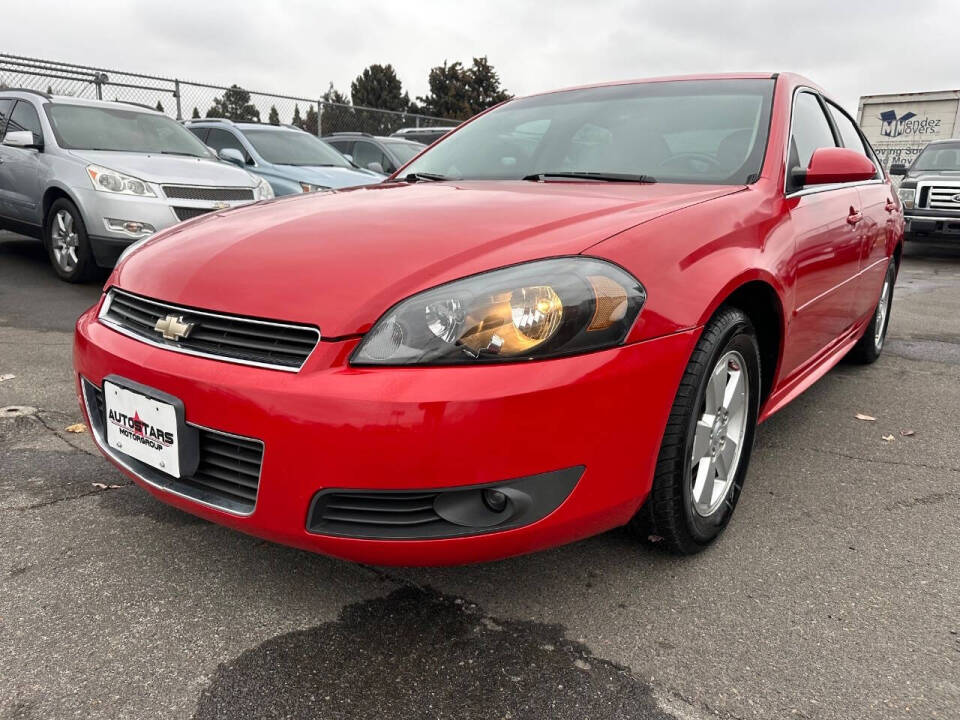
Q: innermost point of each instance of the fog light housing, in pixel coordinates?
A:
(133, 228)
(495, 500)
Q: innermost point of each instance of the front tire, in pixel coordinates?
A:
(870, 344)
(708, 440)
(67, 244)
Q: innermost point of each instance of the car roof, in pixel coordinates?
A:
(70, 100)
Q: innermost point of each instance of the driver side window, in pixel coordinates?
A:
(810, 131)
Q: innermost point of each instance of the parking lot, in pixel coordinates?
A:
(834, 594)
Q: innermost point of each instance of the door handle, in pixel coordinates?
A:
(854, 217)
(890, 206)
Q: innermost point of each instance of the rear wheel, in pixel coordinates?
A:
(708, 440)
(68, 247)
(870, 345)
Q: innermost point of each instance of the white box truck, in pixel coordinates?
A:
(900, 126)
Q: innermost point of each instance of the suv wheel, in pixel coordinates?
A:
(67, 244)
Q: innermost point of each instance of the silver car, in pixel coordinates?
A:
(89, 178)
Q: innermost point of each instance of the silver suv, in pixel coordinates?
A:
(89, 178)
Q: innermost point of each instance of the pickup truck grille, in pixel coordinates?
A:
(941, 197)
(232, 338)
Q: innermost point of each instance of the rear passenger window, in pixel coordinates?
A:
(848, 132)
(810, 130)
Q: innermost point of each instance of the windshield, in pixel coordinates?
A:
(88, 127)
(405, 151)
(689, 131)
(942, 156)
(291, 147)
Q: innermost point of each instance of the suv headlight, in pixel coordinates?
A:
(907, 196)
(262, 191)
(106, 180)
(540, 309)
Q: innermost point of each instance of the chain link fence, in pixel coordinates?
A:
(183, 99)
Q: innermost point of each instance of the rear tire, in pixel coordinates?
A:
(708, 439)
(67, 244)
(870, 345)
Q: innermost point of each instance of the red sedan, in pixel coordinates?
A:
(566, 316)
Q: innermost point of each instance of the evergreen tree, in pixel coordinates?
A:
(234, 105)
(274, 118)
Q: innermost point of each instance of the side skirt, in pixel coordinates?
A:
(815, 370)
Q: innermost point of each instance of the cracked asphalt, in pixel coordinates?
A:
(835, 594)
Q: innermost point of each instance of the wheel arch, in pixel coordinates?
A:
(756, 295)
(50, 196)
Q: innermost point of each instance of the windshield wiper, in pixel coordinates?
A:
(174, 152)
(599, 176)
(417, 176)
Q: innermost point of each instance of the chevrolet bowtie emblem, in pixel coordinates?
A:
(172, 327)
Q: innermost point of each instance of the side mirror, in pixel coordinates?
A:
(898, 169)
(232, 155)
(376, 167)
(834, 165)
(21, 139)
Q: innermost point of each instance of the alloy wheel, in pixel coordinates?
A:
(719, 434)
(883, 307)
(64, 241)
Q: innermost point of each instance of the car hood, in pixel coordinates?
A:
(175, 169)
(331, 177)
(338, 260)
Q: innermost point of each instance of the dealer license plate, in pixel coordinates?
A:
(143, 428)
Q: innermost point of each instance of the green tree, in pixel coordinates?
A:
(484, 86)
(159, 106)
(379, 87)
(448, 92)
(310, 121)
(336, 113)
(297, 120)
(332, 95)
(459, 92)
(196, 114)
(274, 117)
(234, 105)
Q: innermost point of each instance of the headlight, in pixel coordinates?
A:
(106, 180)
(907, 196)
(262, 191)
(535, 310)
(308, 187)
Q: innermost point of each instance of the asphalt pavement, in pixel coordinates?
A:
(834, 594)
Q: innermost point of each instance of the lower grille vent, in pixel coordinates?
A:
(228, 474)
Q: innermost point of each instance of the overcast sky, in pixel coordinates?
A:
(297, 47)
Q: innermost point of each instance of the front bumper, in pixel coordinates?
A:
(158, 212)
(932, 222)
(334, 426)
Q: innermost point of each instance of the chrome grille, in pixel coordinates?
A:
(188, 213)
(227, 476)
(191, 192)
(231, 338)
(941, 197)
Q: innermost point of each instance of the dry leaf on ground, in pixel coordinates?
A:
(868, 418)
(888, 438)
(7, 376)
(907, 433)
(76, 428)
